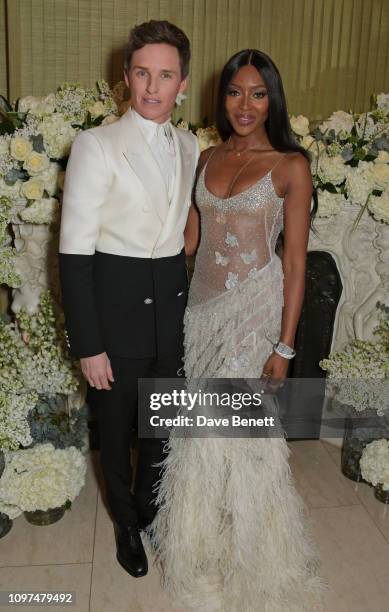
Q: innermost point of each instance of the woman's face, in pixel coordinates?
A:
(247, 101)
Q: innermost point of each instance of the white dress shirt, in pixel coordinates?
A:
(160, 140)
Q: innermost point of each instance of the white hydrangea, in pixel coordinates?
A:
(380, 175)
(58, 135)
(41, 211)
(379, 206)
(10, 191)
(341, 122)
(374, 463)
(14, 426)
(332, 169)
(360, 183)
(51, 177)
(41, 477)
(329, 204)
(367, 128)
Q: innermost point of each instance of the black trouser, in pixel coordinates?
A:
(117, 415)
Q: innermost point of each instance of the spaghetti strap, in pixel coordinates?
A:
(275, 165)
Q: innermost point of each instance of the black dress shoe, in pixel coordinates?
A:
(130, 552)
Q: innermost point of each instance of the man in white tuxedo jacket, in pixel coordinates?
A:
(122, 265)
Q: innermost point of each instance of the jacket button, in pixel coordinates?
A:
(180, 293)
(145, 209)
(148, 301)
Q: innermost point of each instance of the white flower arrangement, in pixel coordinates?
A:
(374, 463)
(33, 354)
(14, 426)
(41, 133)
(8, 274)
(359, 374)
(350, 157)
(40, 478)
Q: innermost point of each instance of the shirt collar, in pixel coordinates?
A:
(149, 128)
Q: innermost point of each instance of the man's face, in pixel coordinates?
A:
(154, 79)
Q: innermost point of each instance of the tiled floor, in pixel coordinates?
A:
(78, 553)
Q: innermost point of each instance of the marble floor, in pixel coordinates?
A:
(78, 553)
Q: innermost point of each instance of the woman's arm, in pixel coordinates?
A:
(192, 228)
(298, 192)
(192, 231)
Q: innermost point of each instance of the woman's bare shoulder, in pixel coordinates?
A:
(204, 156)
(296, 162)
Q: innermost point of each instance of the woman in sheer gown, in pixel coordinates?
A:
(230, 533)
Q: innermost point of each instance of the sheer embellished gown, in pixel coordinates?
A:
(230, 534)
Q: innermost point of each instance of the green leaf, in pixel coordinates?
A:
(330, 187)
(5, 105)
(37, 143)
(7, 127)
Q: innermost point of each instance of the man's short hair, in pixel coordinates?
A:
(152, 32)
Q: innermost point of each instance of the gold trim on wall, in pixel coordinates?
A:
(332, 54)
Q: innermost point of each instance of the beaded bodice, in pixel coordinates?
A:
(238, 236)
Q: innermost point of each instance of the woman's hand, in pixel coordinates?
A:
(274, 371)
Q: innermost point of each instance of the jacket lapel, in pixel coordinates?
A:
(183, 177)
(138, 155)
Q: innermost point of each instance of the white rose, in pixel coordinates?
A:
(207, 137)
(33, 189)
(382, 158)
(380, 175)
(41, 211)
(341, 122)
(36, 163)
(300, 125)
(20, 148)
(28, 103)
(329, 204)
(37, 106)
(332, 169)
(97, 109)
(109, 119)
(379, 206)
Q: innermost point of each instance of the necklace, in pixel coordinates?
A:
(239, 153)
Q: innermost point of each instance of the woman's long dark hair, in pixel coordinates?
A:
(277, 124)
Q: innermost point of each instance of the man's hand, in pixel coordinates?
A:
(97, 371)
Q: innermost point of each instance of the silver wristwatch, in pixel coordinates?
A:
(284, 350)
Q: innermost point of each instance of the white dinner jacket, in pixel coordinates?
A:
(115, 198)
